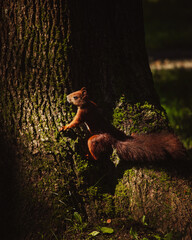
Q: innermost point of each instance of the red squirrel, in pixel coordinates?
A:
(105, 137)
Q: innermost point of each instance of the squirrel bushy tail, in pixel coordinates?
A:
(151, 147)
(140, 147)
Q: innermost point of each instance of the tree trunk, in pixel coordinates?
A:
(109, 54)
(48, 49)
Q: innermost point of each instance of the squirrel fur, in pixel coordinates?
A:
(104, 137)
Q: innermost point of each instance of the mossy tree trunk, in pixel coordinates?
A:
(48, 49)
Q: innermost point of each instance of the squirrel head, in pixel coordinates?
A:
(78, 98)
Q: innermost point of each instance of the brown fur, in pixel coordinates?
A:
(151, 147)
(144, 147)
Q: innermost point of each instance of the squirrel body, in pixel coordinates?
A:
(105, 137)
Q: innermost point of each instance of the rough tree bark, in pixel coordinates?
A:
(48, 49)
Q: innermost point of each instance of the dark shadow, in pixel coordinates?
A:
(22, 215)
(106, 175)
(8, 191)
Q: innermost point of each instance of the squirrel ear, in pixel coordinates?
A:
(84, 91)
(83, 88)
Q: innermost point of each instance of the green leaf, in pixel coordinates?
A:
(107, 230)
(157, 237)
(168, 236)
(77, 217)
(143, 220)
(133, 233)
(94, 233)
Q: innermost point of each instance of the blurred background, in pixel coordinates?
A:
(168, 34)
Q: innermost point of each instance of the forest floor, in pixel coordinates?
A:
(119, 229)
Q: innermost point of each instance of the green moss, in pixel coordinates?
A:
(81, 164)
(164, 177)
(92, 192)
(139, 117)
(108, 207)
(119, 114)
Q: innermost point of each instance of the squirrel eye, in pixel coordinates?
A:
(75, 97)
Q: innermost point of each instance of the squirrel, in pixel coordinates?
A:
(105, 137)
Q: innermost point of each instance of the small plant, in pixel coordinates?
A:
(168, 236)
(157, 237)
(104, 230)
(77, 222)
(79, 225)
(133, 233)
(143, 220)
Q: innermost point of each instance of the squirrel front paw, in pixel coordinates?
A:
(63, 128)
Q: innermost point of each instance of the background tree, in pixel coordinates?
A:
(48, 49)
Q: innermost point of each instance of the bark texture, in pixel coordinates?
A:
(48, 49)
(34, 68)
(34, 75)
(164, 199)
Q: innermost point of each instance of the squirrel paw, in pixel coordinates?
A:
(63, 128)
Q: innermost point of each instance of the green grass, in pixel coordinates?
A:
(174, 88)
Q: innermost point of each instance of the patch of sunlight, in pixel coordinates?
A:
(171, 64)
